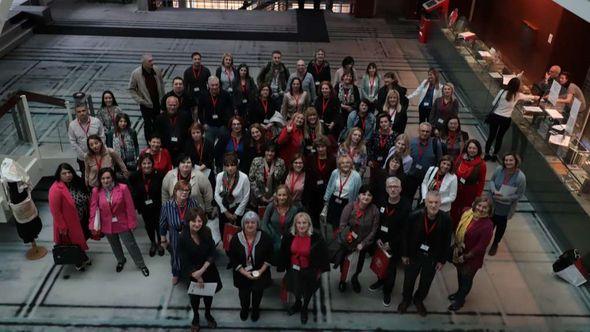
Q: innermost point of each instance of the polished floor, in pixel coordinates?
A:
(515, 290)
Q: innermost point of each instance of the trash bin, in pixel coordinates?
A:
(424, 32)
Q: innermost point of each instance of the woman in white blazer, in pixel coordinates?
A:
(443, 180)
(428, 91)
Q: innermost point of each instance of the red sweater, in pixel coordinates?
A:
(290, 144)
(162, 161)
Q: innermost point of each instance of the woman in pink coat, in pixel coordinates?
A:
(112, 212)
(68, 203)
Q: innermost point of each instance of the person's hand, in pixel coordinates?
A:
(202, 167)
(547, 76)
(232, 217)
(371, 163)
(359, 247)
(461, 259)
(380, 243)
(439, 266)
(197, 274)
(386, 246)
(331, 125)
(163, 243)
(253, 277)
(406, 260)
(290, 127)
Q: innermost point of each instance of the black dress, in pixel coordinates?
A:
(262, 252)
(28, 231)
(193, 256)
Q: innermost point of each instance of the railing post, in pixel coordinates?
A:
(31, 128)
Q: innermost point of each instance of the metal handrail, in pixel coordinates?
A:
(14, 98)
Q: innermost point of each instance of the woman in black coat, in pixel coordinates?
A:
(197, 252)
(250, 253)
(200, 150)
(244, 93)
(146, 186)
(304, 255)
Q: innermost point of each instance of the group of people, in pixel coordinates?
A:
(273, 157)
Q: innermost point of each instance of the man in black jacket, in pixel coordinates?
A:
(275, 74)
(215, 109)
(186, 102)
(173, 126)
(195, 77)
(424, 250)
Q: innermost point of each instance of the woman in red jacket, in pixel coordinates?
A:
(68, 203)
(291, 138)
(470, 169)
(112, 212)
(471, 239)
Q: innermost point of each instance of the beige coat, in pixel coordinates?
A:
(201, 189)
(139, 91)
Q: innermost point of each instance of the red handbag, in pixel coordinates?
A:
(229, 231)
(380, 263)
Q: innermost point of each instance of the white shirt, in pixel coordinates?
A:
(241, 193)
(505, 107)
(447, 190)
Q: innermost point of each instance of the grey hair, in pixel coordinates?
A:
(425, 124)
(434, 194)
(393, 179)
(212, 79)
(250, 216)
(307, 218)
(145, 57)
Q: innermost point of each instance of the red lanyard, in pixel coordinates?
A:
(181, 210)
(428, 230)
(214, 102)
(371, 85)
(250, 247)
(229, 184)
(282, 219)
(341, 185)
(421, 149)
(197, 74)
(264, 105)
(359, 213)
(363, 121)
(235, 143)
(244, 88)
(112, 116)
(87, 127)
(507, 178)
(199, 149)
(294, 181)
(382, 140)
(321, 165)
(389, 212)
(159, 157)
(317, 68)
(437, 181)
(146, 184)
(98, 162)
(452, 138)
(351, 153)
(325, 103)
(180, 178)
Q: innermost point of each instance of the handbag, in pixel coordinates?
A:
(569, 267)
(67, 254)
(229, 231)
(489, 116)
(380, 263)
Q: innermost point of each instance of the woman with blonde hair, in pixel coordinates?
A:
(401, 146)
(227, 73)
(398, 116)
(343, 187)
(444, 108)
(312, 129)
(278, 216)
(354, 146)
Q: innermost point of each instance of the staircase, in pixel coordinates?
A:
(20, 24)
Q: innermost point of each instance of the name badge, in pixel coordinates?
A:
(215, 116)
(426, 104)
(354, 235)
(441, 121)
(114, 219)
(418, 167)
(174, 139)
(197, 89)
(462, 180)
(296, 267)
(380, 158)
(149, 202)
(338, 201)
(248, 268)
(382, 209)
(230, 90)
(244, 101)
(424, 247)
(317, 83)
(320, 182)
(266, 121)
(384, 229)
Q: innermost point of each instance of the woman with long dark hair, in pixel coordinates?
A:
(244, 92)
(295, 100)
(123, 139)
(327, 105)
(108, 111)
(266, 174)
(471, 175)
(98, 157)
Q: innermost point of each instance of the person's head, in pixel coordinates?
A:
(107, 178)
(236, 124)
(453, 124)
(301, 67)
(348, 62)
(257, 133)
(511, 161)
(564, 79)
(302, 225)
(433, 76)
(230, 163)
(264, 90)
(297, 163)
(402, 144)
(283, 196)
(178, 85)
(448, 90)
(243, 70)
(276, 57)
(445, 165)
(554, 71)
(321, 144)
(196, 218)
(227, 60)
(326, 89)
(146, 163)
(65, 173)
(394, 163)
(472, 148)
(196, 132)
(371, 69)
(384, 121)
(320, 55)
(108, 99)
(482, 206)
(391, 101)
(181, 191)
(172, 105)
(185, 164)
(364, 107)
(311, 116)
(424, 131)
(250, 222)
(295, 86)
(389, 78)
(355, 136)
(196, 57)
(393, 187)
(270, 151)
(365, 195)
(345, 163)
(155, 143)
(95, 144)
(82, 113)
(348, 77)
(432, 202)
(147, 61)
(513, 87)
(213, 84)
(299, 119)
(122, 121)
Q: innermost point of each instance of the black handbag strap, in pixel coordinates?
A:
(497, 101)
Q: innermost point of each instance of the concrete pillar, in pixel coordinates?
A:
(4, 9)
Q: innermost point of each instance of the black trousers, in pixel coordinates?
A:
(422, 265)
(423, 113)
(196, 302)
(254, 295)
(465, 282)
(411, 185)
(500, 222)
(389, 281)
(359, 266)
(152, 225)
(149, 119)
(498, 127)
(316, 4)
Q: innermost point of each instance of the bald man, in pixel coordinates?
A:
(550, 76)
(307, 81)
